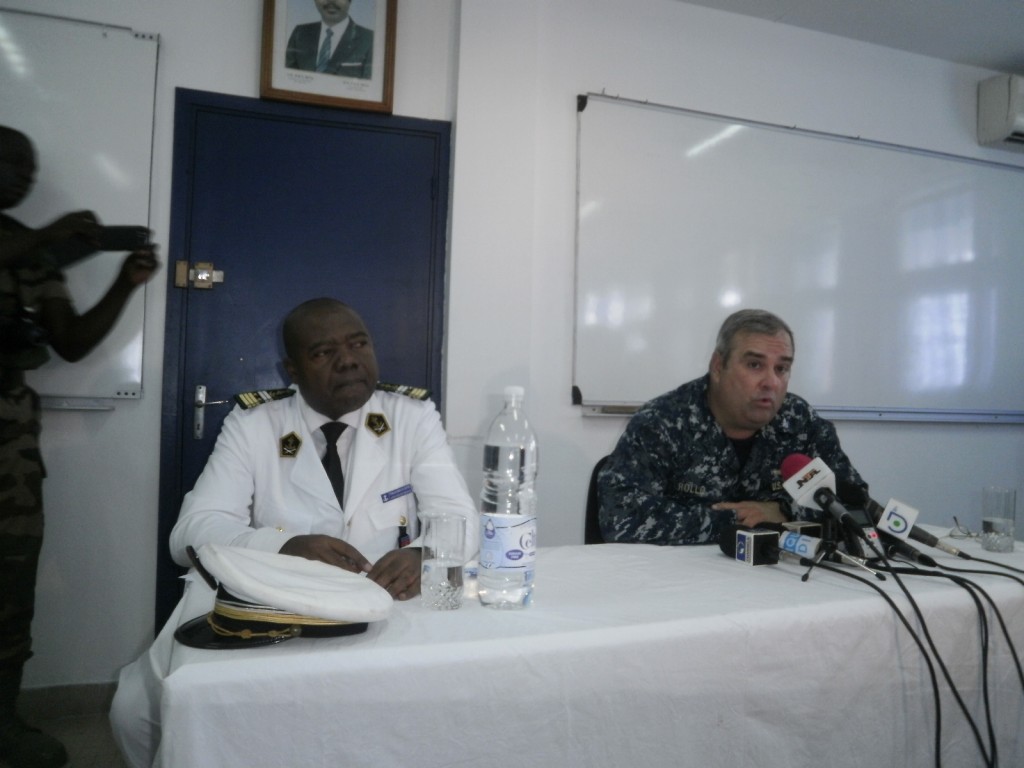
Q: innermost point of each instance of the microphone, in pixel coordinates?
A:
(749, 545)
(858, 495)
(754, 546)
(797, 544)
(764, 545)
(812, 484)
(894, 545)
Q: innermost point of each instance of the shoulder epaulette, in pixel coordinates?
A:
(416, 393)
(249, 400)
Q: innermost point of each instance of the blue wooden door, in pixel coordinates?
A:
(289, 203)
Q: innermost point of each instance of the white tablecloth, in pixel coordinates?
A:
(631, 655)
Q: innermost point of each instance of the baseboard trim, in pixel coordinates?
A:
(65, 701)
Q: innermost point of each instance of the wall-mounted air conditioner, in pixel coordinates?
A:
(1001, 112)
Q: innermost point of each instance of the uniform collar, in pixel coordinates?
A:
(314, 419)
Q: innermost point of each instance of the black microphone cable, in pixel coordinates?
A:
(997, 564)
(988, 758)
(988, 598)
(1005, 575)
(998, 615)
(917, 640)
(973, 589)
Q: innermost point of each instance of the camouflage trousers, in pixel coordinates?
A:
(21, 522)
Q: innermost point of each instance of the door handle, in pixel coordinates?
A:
(198, 409)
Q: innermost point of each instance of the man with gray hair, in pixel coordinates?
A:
(708, 454)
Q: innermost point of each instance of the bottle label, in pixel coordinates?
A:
(508, 543)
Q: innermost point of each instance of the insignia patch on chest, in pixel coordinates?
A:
(378, 424)
(290, 445)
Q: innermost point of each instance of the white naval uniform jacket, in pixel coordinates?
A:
(255, 492)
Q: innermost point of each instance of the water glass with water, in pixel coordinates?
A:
(998, 510)
(443, 555)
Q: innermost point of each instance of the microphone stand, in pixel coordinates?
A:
(828, 545)
(830, 549)
(860, 563)
(856, 555)
(820, 556)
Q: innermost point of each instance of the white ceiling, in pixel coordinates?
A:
(982, 33)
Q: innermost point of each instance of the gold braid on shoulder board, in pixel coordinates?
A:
(416, 393)
(256, 397)
(249, 400)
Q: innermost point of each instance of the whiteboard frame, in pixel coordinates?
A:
(621, 407)
(92, 122)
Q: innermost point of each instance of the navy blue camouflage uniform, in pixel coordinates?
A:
(674, 461)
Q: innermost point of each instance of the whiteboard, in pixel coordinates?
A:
(899, 271)
(84, 93)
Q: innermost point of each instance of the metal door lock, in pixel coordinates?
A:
(202, 275)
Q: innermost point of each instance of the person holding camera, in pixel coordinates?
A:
(36, 314)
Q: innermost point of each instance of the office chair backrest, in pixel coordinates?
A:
(592, 529)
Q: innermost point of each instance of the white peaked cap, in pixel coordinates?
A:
(296, 585)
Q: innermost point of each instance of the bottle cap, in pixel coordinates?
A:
(514, 390)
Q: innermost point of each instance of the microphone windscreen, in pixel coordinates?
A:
(793, 464)
(727, 539)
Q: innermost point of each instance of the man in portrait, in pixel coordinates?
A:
(335, 45)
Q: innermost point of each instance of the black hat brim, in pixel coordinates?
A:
(197, 633)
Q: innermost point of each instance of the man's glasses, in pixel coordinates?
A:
(959, 531)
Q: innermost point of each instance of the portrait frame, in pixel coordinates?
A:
(287, 70)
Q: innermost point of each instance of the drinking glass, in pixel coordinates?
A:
(998, 508)
(443, 555)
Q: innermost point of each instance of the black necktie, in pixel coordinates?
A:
(332, 461)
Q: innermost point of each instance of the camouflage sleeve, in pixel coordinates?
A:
(638, 502)
(825, 438)
(821, 440)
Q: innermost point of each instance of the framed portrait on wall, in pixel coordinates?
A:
(336, 53)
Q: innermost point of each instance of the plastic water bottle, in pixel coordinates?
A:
(508, 508)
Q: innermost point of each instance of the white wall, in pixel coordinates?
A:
(510, 73)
